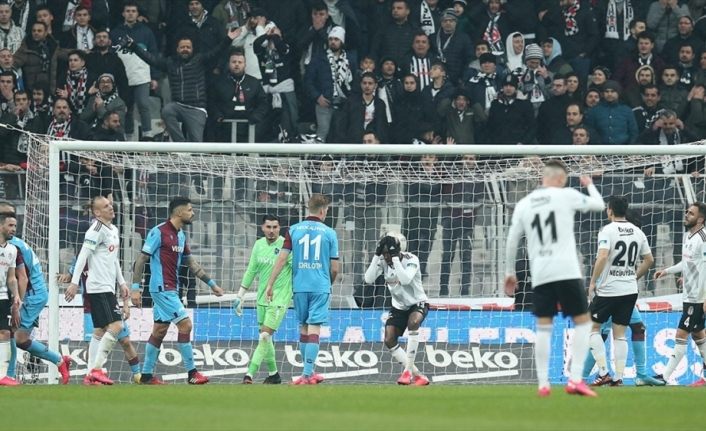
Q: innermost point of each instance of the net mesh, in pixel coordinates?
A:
(453, 211)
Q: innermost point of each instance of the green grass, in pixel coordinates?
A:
(227, 407)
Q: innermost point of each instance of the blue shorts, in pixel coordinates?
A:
(168, 307)
(635, 317)
(88, 328)
(312, 308)
(31, 309)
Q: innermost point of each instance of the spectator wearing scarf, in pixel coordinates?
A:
(327, 81)
(103, 100)
(274, 55)
(77, 82)
(493, 26)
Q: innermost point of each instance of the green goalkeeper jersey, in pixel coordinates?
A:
(262, 261)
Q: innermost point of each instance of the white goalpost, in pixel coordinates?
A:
(453, 210)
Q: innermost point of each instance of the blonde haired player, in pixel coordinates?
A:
(546, 218)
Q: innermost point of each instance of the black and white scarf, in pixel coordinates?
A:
(237, 15)
(107, 100)
(490, 92)
(69, 15)
(340, 72)
(530, 86)
(611, 22)
(84, 38)
(43, 48)
(671, 166)
(22, 20)
(426, 19)
(646, 61)
(76, 87)
(571, 26)
(23, 141)
(59, 130)
(492, 35)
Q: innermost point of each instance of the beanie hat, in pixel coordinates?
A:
(339, 33)
(533, 52)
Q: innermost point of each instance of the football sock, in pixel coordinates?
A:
(134, 365)
(677, 354)
(400, 355)
(412, 345)
(4, 357)
(41, 350)
(639, 348)
(620, 346)
(12, 366)
(579, 349)
(104, 348)
(588, 365)
(93, 350)
(312, 351)
(303, 342)
(187, 350)
(151, 354)
(258, 355)
(270, 358)
(598, 350)
(701, 345)
(542, 347)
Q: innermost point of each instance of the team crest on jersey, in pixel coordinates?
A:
(111, 248)
(276, 251)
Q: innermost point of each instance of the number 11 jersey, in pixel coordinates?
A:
(313, 245)
(546, 217)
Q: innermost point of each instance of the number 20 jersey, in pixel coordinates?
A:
(546, 217)
(625, 243)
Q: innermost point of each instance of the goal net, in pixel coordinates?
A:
(451, 204)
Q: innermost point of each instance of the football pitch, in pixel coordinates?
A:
(349, 407)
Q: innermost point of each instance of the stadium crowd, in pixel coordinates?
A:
(426, 71)
(354, 71)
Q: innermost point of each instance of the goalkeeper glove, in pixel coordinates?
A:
(238, 302)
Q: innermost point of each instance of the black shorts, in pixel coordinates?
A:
(5, 315)
(104, 309)
(619, 308)
(399, 318)
(692, 318)
(570, 294)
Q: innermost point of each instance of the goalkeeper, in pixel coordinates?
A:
(409, 307)
(269, 314)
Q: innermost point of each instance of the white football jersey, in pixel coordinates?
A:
(693, 266)
(404, 294)
(546, 218)
(104, 271)
(8, 258)
(626, 242)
